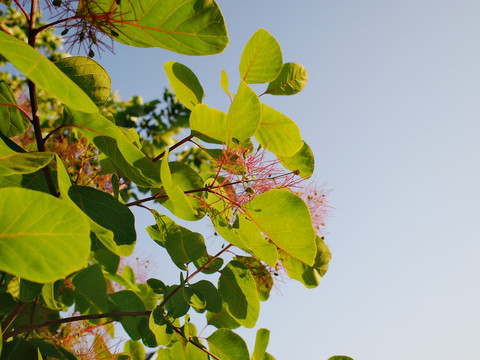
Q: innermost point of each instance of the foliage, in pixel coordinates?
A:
(74, 160)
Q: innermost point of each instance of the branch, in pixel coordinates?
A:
(41, 28)
(23, 10)
(201, 268)
(75, 318)
(181, 142)
(13, 315)
(179, 332)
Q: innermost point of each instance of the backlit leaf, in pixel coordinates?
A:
(208, 124)
(285, 219)
(261, 59)
(110, 140)
(244, 115)
(310, 276)
(291, 80)
(238, 290)
(53, 244)
(184, 83)
(261, 343)
(89, 75)
(213, 301)
(24, 163)
(227, 345)
(190, 27)
(278, 133)
(136, 327)
(44, 73)
(222, 319)
(302, 161)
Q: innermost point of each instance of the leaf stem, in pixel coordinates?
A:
(41, 28)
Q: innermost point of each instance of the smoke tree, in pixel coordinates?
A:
(74, 160)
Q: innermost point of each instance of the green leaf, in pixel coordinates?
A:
(8, 3)
(227, 345)
(213, 301)
(108, 213)
(183, 245)
(13, 121)
(51, 351)
(291, 80)
(278, 133)
(208, 124)
(148, 297)
(110, 140)
(179, 204)
(261, 343)
(23, 290)
(177, 305)
(24, 163)
(222, 319)
(126, 300)
(185, 84)
(161, 329)
(188, 351)
(213, 265)
(245, 235)
(58, 295)
(262, 276)
(47, 247)
(44, 73)
(18, 349)
(340, 357)
(310, 276)
(135, 349)
(285, 219)
(185, 179)
(238, 290)
(244, 115)
(224, 83)
(1, 339)
(90, 290)
(89, 75)
(261, 59)
(191, 27)
(302, 161)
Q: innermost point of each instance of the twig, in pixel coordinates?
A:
(181, 142)
(75, 318)
(23, 10)
(11, 318)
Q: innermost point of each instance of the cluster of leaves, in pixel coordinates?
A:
(81, 159)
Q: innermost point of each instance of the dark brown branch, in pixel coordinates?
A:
(75, 318)
(32, 89)
(11, 318)
(173, 147)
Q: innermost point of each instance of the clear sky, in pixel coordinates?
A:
(391, 112)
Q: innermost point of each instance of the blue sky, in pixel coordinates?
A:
(391, 112)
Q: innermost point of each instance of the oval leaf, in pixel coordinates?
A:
(310, 276)
(244, 115)
(302, 162)
(191, 27)
(291, 80)
(284, 218)
(44, 73)
(24, 163)
(184, 83)
(239, 292)
(261, 59)
(227, 345)
(89, 75)
(13, 121)
(208, 124)
(44, 238)
(278, 133)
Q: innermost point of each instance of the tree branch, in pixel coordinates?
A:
(75, 318)
(13, 315)
(181, 142)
